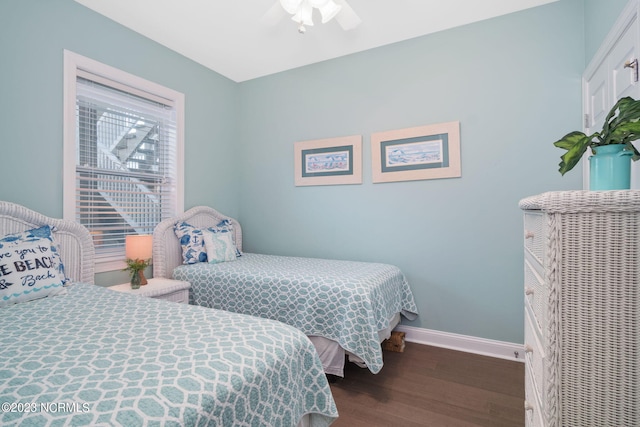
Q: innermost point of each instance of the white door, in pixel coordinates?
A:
(611, 75)
(623, 63)
(597, 97)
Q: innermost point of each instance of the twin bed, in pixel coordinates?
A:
(77, 354)
(344, 307)
(87, 355)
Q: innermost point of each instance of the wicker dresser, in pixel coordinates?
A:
(582, 308)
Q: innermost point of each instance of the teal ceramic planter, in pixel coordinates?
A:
(610, 168)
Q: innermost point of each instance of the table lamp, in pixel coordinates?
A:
(139, 248)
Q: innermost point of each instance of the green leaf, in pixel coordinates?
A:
(623, 133)
(135, 265)
(621, 126)
(574, 154)
(569, 140)
(636, 155)
(626, 110)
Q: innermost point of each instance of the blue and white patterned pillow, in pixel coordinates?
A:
(220, 247)
(192, 240)
(30, 266)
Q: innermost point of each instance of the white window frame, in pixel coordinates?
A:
(74, 65)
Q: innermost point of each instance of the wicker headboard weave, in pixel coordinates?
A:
(75, 243)
(167, 252)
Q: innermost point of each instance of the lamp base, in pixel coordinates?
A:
(143, 280)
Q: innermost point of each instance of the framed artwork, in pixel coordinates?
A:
(330, 161)
(424, 152)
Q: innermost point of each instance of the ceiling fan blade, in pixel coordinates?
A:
(274, 15)
(347, 18)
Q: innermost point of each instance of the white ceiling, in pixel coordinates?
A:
(235, 39)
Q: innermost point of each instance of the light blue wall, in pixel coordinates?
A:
(513, 83)
(33, 34)
(599, 17)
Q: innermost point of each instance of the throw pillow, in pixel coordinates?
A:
(30, 266)
(220, 247)
(191, 240)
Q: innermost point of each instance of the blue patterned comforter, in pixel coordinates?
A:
(99, 357)
(345, 301)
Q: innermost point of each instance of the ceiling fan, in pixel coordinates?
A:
(301, 12)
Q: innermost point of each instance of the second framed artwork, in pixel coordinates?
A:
(330, 161)
(424, 152)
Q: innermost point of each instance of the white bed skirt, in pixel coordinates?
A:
(332, 355)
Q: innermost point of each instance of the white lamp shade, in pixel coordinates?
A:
(139, 247)
(291, 6)
(329, 10)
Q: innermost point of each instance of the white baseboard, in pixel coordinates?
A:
(469, 344)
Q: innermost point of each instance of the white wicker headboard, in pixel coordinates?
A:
(167, 252)
(76, 246)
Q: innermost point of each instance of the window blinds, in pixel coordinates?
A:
(126, 162)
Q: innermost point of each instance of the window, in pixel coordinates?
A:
(123, 155)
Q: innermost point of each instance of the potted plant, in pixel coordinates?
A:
(612, 147)
(136, 268)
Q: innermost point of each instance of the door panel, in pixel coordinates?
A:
(612, 79)
(598, 99)
(623, 78)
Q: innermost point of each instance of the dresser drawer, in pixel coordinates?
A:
(534, 234)
(532, 408)
(536, 294)
(534, 355)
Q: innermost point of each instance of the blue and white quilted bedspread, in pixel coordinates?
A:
(99, 357)
(345, 301)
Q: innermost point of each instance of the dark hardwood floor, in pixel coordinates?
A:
(431, 386)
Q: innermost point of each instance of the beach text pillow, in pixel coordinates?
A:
(30, 266)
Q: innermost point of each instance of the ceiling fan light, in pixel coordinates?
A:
(329, 11)
(291, 6)
(318, 3)
(303, 15)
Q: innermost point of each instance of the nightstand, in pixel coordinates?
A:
(159, 288)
